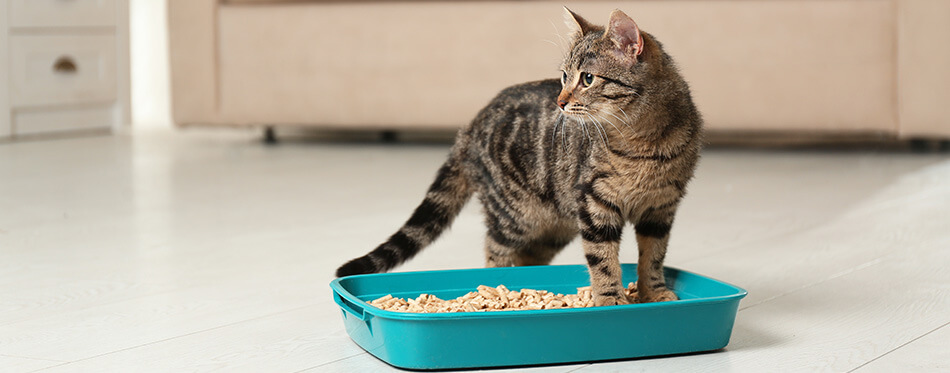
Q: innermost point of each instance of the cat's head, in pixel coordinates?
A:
(604, 70)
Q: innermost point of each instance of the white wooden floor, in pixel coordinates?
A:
(200, 251)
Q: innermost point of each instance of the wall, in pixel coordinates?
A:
(151, 99)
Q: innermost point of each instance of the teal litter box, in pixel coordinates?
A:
(700, 321)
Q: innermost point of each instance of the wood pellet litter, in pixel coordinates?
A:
(488, 298)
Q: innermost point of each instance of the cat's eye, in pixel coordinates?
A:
(587, 79)
(563, 77)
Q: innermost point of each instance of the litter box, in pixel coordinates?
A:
(701, 320)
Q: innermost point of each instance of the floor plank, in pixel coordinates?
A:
(284, 342)
(855, 238)
(929, 353)
(367, 363)
(13, 364)
(150, 318)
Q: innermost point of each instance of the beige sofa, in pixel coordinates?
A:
(853, 67)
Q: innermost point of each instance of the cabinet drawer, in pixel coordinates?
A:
(53, 70)
(53, 120)
(62, 13)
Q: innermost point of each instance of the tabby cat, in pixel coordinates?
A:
(615, 140)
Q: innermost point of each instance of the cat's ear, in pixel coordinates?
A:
(625, 35)
(577, 26)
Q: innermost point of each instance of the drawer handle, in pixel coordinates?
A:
(65, 65)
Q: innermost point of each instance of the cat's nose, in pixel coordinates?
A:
(562, 99)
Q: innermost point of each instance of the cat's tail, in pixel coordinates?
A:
(443, 202)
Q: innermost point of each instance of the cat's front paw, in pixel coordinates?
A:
(603, 300)
(664, 295)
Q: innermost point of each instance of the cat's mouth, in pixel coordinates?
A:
(575, 109)
(585, 115)
(579, 112)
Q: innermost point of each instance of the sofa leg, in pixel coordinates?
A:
(920, 145)
(270, 136)
(388, 136)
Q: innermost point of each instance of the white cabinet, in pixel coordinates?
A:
(63, 13)
(62, 69)
(66, 66)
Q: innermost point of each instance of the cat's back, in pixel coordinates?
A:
(502, 146)
(542, 92)
(534, 100)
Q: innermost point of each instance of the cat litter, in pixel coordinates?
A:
(487, 298)
(701, 320)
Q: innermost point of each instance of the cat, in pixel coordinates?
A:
(616, 140)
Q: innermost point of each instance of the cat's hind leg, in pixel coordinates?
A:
(500, 251)
(527, 252)
(542, 251)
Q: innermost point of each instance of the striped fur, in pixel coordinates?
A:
(552, 160)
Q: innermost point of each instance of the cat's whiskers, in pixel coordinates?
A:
(563, 134)
(599, 127)
(561, 118)
(561, 38)
(584, 126)
(621, 121)
(618, 118)
(603, 133)
(622, 135)
(624, 115)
